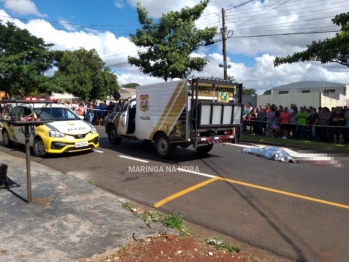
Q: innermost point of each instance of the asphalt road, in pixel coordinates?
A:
(299, 211)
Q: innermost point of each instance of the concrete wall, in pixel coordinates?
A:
(331, 102)
(249, 99)
(308, 99)
(338, 90)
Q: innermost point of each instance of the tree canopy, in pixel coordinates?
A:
(330, 50)
(24, 59)
(267, 92)
(249, 92)
(83, 74)
(131, 85)
(170, 42)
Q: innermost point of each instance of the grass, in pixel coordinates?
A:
(174, 220)
(222, 245)
(91, 182)
(294, 143)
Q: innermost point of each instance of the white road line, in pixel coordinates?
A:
(135, 159)
(98, 151)
(194, 172)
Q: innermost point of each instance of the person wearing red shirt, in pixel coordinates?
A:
(285, 120)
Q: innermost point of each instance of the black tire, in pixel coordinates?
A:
(6, 138)
(39, 147)
(113, 135)
(163, 147)
(204, 149)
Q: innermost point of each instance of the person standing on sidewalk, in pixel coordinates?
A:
(324, 122)
(293, 122)
(313, 120)
(337, 124)
(269, 124)
(285, 117)
(346, 128)
(90, 112)
(301, 117)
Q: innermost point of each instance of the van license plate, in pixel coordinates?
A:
(81, 144)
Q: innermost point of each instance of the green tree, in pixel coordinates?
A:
(267, 92)
(249, 92)
(24, 59)
(83, 74)
(330, 50)
(131, 85)
(170, 42)
(232, 79)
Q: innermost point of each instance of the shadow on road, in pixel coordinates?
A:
(271, 218)
(146, 150)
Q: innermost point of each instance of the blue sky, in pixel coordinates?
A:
(259, 30)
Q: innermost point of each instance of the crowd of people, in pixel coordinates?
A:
(93, 112)
(306, 123)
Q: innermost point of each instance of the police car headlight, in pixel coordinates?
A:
(93, 130)
(53, 133)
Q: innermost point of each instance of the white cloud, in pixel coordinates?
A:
(22, 7)
(66, 25)
(119, 3)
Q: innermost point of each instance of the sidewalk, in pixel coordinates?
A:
(68, 220)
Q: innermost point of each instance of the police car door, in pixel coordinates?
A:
(123, 120)
(124, 117)
(20, 112)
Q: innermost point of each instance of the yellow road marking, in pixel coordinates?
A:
(185, 191)
(286, 193)
(192, 188)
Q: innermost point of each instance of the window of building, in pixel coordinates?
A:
(283, 92)
(329, 91)
(305, 91)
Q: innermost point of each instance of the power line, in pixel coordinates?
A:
(264, 12)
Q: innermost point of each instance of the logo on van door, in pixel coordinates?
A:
(223, 96)
(144, 103)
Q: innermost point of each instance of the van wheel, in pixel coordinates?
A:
(204, 149)
(163, 146)
(39, 148)
(6, 138)
(113, 136)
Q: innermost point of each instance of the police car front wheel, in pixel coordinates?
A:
(113, 136)
(39, 147)
(6, 138)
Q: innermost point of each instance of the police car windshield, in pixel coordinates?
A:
(57, 113)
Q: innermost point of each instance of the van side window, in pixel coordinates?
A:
(133, 104)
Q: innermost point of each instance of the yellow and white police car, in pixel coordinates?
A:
(66, 131)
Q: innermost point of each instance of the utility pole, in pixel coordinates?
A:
(224, 38)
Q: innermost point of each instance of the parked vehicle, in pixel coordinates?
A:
(66, 132)
(198, 112)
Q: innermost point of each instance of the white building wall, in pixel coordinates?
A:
(332, 102)
(337, 90)
(62, 96)
(308, 99)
